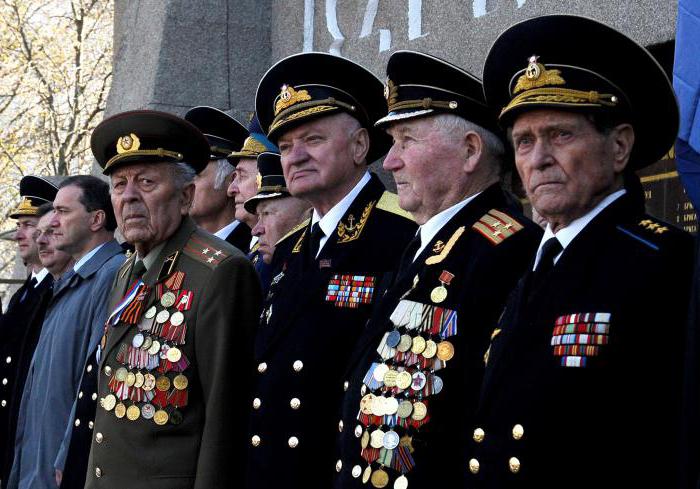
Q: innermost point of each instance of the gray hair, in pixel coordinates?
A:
(183, 174)
(223, 170)
(458, 126)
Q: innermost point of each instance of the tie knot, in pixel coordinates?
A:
(551, 248)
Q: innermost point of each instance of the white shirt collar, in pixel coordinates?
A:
(226, 230)
(253, 241)
(40, 276)
(86, 257)
(567, 234)
(431, 227)
(329, 222)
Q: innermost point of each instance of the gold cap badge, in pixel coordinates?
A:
(536, 75)
(258, 179)
(288, 97)
(126, 144)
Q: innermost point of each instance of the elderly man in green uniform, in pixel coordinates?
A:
(328, 272)
(182, 312)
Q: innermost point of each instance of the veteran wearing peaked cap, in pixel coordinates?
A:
(182, 311)
(567, 398)
(212, 209)
(329, 271)
(415, 383)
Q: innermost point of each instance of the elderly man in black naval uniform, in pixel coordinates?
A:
(328, 272)
(414, 377)
(582, 385)
(182, 312)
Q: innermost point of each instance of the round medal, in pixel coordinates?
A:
(419, 380)
(379, 372)
(147, 342)
(418, 345)
(364, 441)
(149, 382)
(160, 417)
(162, 317)
(177, 318)
(121, 374)
(379, 479)
(430, 349)
(164, 351)
(405, 343)
(168, 299)
(155, 348)
(120, 410)
(420, 411)
(438, 294)
(147, 411)
(390, 378)
(437, 384)
(366, 474)
(151, 312)
(138, 383)
(180, 382)
(109, 402)
(392, 340)
(391, 440)
(391, 405)
(130, 379)
(403, 380)
(163, 383)
(133, 413)
(405, 409)
(366, 404)
(175, 417)
(174, 354)
(137, 340)
(376, 439)
(401, 483)
(378, 405)
(445, 351)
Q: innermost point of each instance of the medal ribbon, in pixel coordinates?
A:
(126, 300)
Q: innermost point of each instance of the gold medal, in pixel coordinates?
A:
(120, 410)
(121, 374)
(405, 409)
(180, 382)
(133, 413)
(405, 343)
(162, 317)
(445, 351)
(130, 379)
(149, 382)
(177, 318)
(138, 383)
(174, 354)
(438, 294)
(109, 402)
(418, 345)
(403, 380)
(420, 411)
(364, 441)
(390, 378)
(155, 348)
(430, 349)
(366, 474)
(379, 479)
(168, 299)
(160, 417)
(163, 383)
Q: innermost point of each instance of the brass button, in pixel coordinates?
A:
(340, 425)
(98, 437)
(346, 384)
(479, 435)
(91, 424)
(518, 431)
(89, 368)
(108, 371)
(4, 381)
(295, 403)
(255, 440)
(293, 441)
(256, 403)
(80, 395)
(262, 367)
(94, 396)
(298, 365)
(474, 466)
(356, 471)
(77, 423)
(514, 465)
(98, 472)
(339, 466)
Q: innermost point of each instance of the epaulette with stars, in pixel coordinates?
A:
(650, 232)
(497, 226)
(204, 250)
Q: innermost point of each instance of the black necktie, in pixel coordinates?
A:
(28, 290)
(409, 254)
(551, 248)
(138, 270)
(315, 240)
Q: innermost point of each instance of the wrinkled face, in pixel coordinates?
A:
(567, 166)
(320, 156)
(25, 242)
(426, 165)
(208, 201)
(147, 203)
(71, 222)
(243, 186)
(276, 217)
(55, 261)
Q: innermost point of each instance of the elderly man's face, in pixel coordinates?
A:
(210, 202)
(25, 241)
(322, 155)
(276, 217)
(72, 224)
(148, 205)
(427, 166)
(55, 261)
(243, 186)
(567, 166)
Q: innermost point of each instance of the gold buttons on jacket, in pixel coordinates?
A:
(262, 367)
(298, 365)
(339, 466)
(514, 465)
(474, 466)
(255, 440)
(293, 441)
(99, 437)
(98, 472)
(340, 426)
(518, 431)
(479, 435)
(256, 403)
(295, 403)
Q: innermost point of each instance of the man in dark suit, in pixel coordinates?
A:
(329, 271)
(212, 209)
(179, 334)
(583, 383)
(20, 326)
(414, 377)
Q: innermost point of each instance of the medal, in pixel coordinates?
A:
(376, 439)
(418, 345)
(162, 317)
(379, 478)
(437, 384)
(109, 402)
(151, 312)
(180, 382)
(380, 371)
(366, 474)
(147, 342)
(391, 405)
(430, 349)
(390, 378)
(137, 340)
(177, 318)
(173, 355)
(366, 404)
(168, 299)
(403, 380)
(160, 417)
(364, 441)
(121, 374)
(420, 411)
(391, 440)
(147, 411)
(149, 382)
(405, 343)
(378, 406)
(419, 380)
(401, 483)
(445, 351)
(120, 410)
(130, 379)
(163, 383)
(393, 339)
(155, 348)
(405, 409)
(439, 293)
(138, 383)
(133, 413)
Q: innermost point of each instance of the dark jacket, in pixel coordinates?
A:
(240, 237)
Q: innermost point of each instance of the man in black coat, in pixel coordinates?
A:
(329, 271)
(414, 377)
(583, 382)
(20, 326)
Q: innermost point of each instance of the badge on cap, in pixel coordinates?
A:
(258, 180)
(128, 143)
(536, 75)
(288, 97)
(391, 93)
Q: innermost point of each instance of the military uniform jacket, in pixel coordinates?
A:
(240, 237)
(455, 290)
(314, 313)
(582, 387)
(188, 435)
(20, 328)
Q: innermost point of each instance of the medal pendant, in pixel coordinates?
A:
(379, 479)
(401, 483)
(133, 413)
(109, 402)
(366, 474)
(120, 410)
(147, 411)
(168, 299)
(180, 382)
(160, 417)
(438, 294)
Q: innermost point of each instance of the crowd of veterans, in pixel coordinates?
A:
(248, 306)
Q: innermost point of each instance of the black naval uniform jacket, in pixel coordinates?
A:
(240, 237)
(314, 313)
(199, 445)
(485, 268)
(582, 386)
(20, 328)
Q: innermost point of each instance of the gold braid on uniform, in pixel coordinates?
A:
(563, 96)
(425, 103)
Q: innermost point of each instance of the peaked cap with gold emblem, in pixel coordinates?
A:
(148, 136)
(255, 144)
(420, 85)
(34, 191)
(271, 183)
(306, 86)
(224, 133)
(578, 64)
